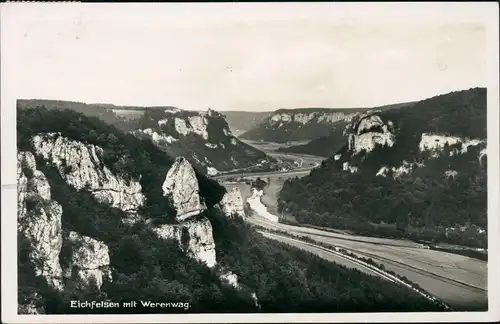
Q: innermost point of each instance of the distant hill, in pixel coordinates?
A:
(322, 146)
(203, 137)
(415, 172)
(242, 121)
(302, 124)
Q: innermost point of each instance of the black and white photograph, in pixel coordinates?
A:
(249, 162)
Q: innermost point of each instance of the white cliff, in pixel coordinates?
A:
(368, 132)
(435, 143)
(194, 124)
(198, 241)
(80, 165)
(232, 203)
(39, 220)
(369, 122)
(89, 260)
(303, 118)
(308, 117)
(156, 137)
(281, 117)
(181, 185)
(199, 125)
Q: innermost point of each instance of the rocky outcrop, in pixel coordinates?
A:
(232, 203)
(212, 171)
(88, 260)
(181, 185)
(155, 136)
(368, 131)
(194, 237)
(203, 138)
(450, 174)
(405, 168)
(80, 165)
(435, 143)
(39, 220)
(231, 279)
(303, 118)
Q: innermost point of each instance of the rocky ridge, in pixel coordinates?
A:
(232, 203)
(286, 125)
(194, 134)
(82, 168)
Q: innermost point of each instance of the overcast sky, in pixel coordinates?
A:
(241, 57)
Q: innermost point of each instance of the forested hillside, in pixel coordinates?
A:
(322, 146)
(142, 265)
(417, 172)
(202, 137)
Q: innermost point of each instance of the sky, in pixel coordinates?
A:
(252, 57)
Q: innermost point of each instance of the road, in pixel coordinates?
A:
(457, 280)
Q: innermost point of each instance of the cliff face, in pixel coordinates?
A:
(88, 261)
(182, 187)
(369, 132)
(232, 203)
(298, 124)
(306, 117)
(81, 166)
(194, 237)
(40, 229)
(204, 138)
(39, 220)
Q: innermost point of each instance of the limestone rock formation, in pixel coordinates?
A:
(39, 220)
(232, 203)
(181, 185)
(230, 278)
(194, 237)
(435, 143)
(81, 166)
(306, 117)
(368, 131)
(88, 260)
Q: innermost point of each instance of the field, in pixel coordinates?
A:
(458, 280)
